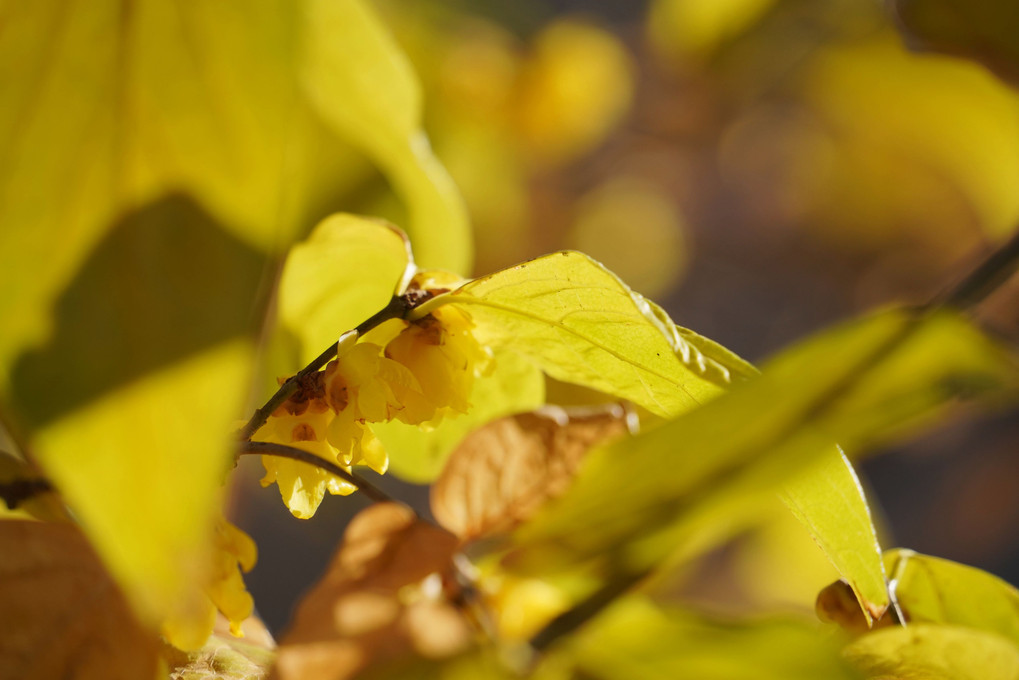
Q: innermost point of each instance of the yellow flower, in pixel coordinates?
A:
(303, 422)
(444, 358)
(189, 627)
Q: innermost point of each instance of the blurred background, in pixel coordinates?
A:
(761, 168)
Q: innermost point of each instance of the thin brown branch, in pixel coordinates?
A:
(990, 274)
(284, 451)
(397, 308)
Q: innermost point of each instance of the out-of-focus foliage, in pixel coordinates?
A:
(155, 158)
(638, 638)
(861, 384)
(63, 616)
(926, 651)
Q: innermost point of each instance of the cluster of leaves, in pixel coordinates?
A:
(559, 534)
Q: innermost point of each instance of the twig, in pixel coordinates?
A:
(284, 451)
(398, 307)
(14, 493)
(991, 273)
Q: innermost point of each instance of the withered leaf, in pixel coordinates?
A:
(383, 599)
(61, 615)
(503, 472)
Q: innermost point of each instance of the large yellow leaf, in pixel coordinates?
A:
(362, 86)
(579, 323)
(830, 502)
(693, 481)
(141, 468)
(151, 154)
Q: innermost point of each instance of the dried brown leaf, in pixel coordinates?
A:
(382, 599)
(502, 473)
(61, 615)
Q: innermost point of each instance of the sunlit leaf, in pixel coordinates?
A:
(928, 651)
(142, 467)
(830, 502)
(579, 323)
(61, 615)
(347, 269)
(379, 600)
(983, 30)
(503, 472)
(691, 482)
(417, 455)
(637, 639)
(362, 86)
(934, 590)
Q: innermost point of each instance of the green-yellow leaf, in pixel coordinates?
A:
(363, 86)
(934, 590)
(689, 483)
(346, 270)
(142, 468)
(579, 323)
(637, 639)
(830, 502)
(417, 455)
(930, 652)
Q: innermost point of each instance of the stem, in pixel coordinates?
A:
(293, 453)
(574, 618)
(997, 268)
(16, 492)
(397, 308)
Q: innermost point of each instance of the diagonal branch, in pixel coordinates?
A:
(396, 309)
(300, 455)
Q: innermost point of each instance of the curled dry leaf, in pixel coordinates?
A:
(383, 599)
(61, 615)
(502, 473)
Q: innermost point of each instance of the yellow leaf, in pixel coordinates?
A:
(61, 615)
(363, 87)
(636, 638)
(933, 590)
(830, 502)
(930, 651)
(345, 271)
(141, 467)
(579, 323)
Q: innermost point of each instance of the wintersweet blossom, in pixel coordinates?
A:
(417, 372)
(442, 354)
(233, 551)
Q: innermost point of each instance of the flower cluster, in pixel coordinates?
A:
(415, 372)
(232, 551)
